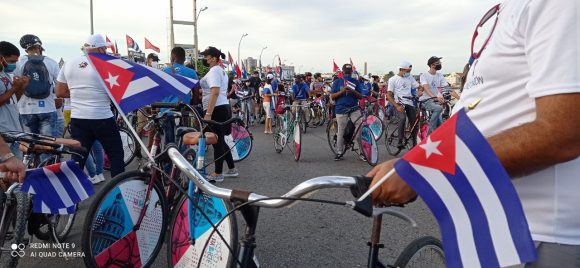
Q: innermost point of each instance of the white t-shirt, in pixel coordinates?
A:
(401, 87)
(88, 96)
(27, 105)
(534, 52)
(216, 77)
(435, 82)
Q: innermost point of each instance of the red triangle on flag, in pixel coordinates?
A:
(116, 78)
(437, 151)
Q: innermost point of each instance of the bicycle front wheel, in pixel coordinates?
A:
(368, 146)
(19, 219)
(60, 224)
(297, 142)
(112, 235)
(426, 251)
(240, 142)
(182, 253)
(331, 135)
(392, 138)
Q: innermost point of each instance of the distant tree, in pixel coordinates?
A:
(388, 76)
(201, 70)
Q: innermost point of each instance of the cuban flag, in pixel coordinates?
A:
(131, 43)
(459, 177)
(133, 85)
(244, 71)
(57, 188)
(349, 84)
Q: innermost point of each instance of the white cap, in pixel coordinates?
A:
(270, 76)
(405, 65)
(97, 40)
(366, 77)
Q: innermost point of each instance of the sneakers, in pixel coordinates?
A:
(215, 178)
(100, 177)
(95, 179)
(337, 157)
(231, 173)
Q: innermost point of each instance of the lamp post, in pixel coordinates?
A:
(195, 48)
(239, 44)
(92, 31)
(260, 59)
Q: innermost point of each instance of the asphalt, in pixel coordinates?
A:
(304, 235)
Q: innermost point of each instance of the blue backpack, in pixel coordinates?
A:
(39, 85)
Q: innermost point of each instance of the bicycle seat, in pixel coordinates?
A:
(180, 131)
(192, 138)
(44, 149)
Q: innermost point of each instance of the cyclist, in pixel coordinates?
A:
(398, 88)
(431, 82)
(91, 116)
(267, 94)
(530, 118)
(376, 89)
(300, 91)
(345, 92)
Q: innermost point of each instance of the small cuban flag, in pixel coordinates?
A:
(460, 178)
(57, 188)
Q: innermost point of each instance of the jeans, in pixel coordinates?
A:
(87, 131)
(58, 130)
(221, 151)
(435, 108)
(15, 149)
(168, 130)
(39, 123)
(96, 160)
(412, 115)
(341, 121)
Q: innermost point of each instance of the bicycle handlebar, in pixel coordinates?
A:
(38, 139)
(169, 105)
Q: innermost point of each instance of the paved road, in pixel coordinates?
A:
(305, 235)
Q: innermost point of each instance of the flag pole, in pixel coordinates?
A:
(392, 171)
(133, 132)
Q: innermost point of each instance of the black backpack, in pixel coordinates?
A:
(349, 131)
(39, 85)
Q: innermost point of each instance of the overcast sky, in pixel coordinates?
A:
(306, 33)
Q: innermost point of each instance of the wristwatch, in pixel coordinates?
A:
(5, 157)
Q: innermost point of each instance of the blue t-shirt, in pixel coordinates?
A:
(274, 85)
(300, 91)
(367, 87)
(183, 71)
(347, 101)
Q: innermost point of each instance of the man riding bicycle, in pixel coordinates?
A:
(345, 92)
(300, 91)
(400, 96)
(432, 81)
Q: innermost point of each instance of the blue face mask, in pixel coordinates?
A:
(10, 68)
(407, 75)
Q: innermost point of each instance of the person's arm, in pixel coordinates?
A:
(215, 92)
(12, 167)
(18, 86)
(337, 91)
(544, 142)
(62, 90)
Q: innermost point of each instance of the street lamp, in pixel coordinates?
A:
(239, 44)
(260, 59)
(92, 31)
(195, 48)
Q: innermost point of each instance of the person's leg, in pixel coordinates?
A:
(435, 110)
(29, 123)
(227, 131)
(99, 157)
(169, 130)
(341, 120)
(266, 107)
(80, 130)
(107, 132)
(90, 165)
(402, 117)
(412, 115)
(219, 149)
(47, 123)
(59, 129)
(15, 149)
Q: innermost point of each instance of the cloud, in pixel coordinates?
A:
(309, 33)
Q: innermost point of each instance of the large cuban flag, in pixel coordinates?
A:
(133, 85)
(459, 177)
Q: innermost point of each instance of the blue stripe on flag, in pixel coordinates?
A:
(82, 177)
(49, 193)
(67, 185)
(440, 211)
(479, 224)
(500, 180)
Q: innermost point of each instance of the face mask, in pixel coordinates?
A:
(407, 75)
(438, 67)
(205, 63)
(10, 68)
(247, 84)
(154, 64)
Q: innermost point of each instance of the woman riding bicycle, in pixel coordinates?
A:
(216, 106)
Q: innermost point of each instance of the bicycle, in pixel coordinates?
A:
(425, 250)
(419, 126)
(317, 109)
(374, 122)
(129, 218)
(243, 109)
(367, 148)
(288, 126)
(17, 205)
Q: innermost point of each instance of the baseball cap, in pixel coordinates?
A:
(405, 65)
(97, 40)
(347, 67)
(212, 51)
(366, 77)
(432, 60)
(153, 57)
(270, 76)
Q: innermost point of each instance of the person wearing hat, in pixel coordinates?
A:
(216, 106)
(367, 86)
(432, 81)
(346, 92)
(38, 115)
(398, 92)
(153, 60)
(91, 116)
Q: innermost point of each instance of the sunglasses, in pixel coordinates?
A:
(493, 12)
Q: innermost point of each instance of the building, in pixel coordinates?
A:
(251, 64)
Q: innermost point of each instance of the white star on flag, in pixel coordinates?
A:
(112, 80)
(430, 147)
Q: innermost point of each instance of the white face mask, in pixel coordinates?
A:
(155, 64)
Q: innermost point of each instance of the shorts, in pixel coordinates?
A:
(267, 109)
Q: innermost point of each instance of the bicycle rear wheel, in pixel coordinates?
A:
(368, 146)
(182, 253)
(17, 217)
(297, 142)
(111, 234)
(240, 142)
(302, 120)
(392, 137)
(331, 135)
(375, 125)
(426, 251)
(130, 148)
(279, 131)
